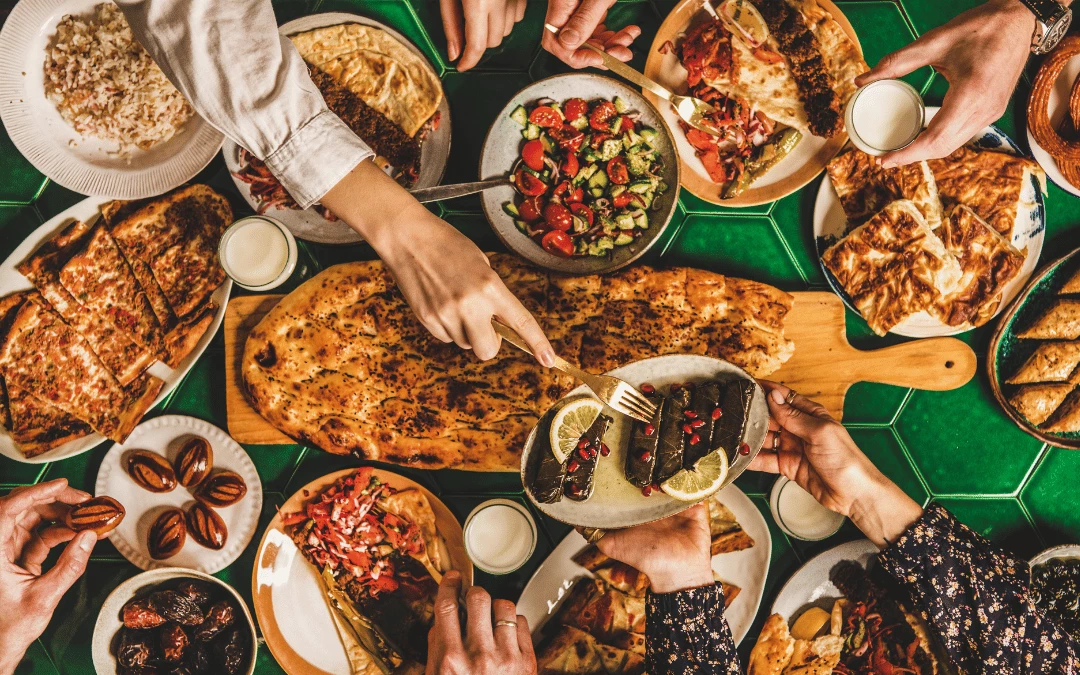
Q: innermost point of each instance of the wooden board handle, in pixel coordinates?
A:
(935, 364)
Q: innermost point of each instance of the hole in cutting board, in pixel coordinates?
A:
(949, 364)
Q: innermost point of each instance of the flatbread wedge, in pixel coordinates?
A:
(1052, 361)
(728, 535)
(571, 651)
(864, 188)
(1060, 321)
(1072, 286)
(773, 650)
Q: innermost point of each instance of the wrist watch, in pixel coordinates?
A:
(1052, 19)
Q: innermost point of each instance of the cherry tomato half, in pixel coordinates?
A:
(582, 211)
(567, 137)
(531, 209)
(601, 116)
(558, 243)
(528, 184)
(545, 116)
(561, 189)
(575, 108)
(617, 172)
(558, 217)
(571, 165)
(626, 198)
(574, 195)
(533, 155)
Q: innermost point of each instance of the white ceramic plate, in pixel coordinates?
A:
(1057, 105)
(88, 211)
(1066, 551)
(164, 436)
(1028, 232)
(79, 163)
(108, 622)
(747, 569)
(434, 151)
(810, 585)
(616, 503)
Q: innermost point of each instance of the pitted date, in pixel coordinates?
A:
(180, 670)
(174, 643)
(222, 489)
(220, 617)
(194, 461)
(100, 515)
(198, 591)
(167, 535)
(206, 527)
(176, 607)
(232, 652)
(198, 658)
(139, 615)
(150, 471)
(135, 649)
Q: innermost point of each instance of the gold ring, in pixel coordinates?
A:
(791, 396)
(592, 534)
(776, 441)
(551, 29)
(505, 622)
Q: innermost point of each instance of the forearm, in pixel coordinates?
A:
(374, 205)
(884, 511)
(686, 633)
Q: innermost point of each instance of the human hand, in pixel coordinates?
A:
(981, 53)
(28, 597)
(504, 649)
(674, 552)
(808, 446)
(479, 24)
(579, 20)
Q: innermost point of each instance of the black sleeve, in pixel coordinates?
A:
(975, 599)
(686, 634)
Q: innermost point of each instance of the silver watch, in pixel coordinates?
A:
(1052, 19)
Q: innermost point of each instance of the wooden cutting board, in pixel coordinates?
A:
(823, 366)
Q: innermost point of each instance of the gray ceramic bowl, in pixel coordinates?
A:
(503, 145)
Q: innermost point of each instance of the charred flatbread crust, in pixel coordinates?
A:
(37, 427)
(185, 335)
(1052, 361)
(342, 363)
(1060, 321)
(864, 188)
(571, 651)
(893, 266)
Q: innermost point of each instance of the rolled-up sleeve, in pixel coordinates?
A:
(249, 82)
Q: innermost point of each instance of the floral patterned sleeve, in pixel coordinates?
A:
(686, 634)
(975, 598)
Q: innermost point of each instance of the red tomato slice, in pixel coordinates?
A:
(531, 209)
(601, 116)
(558, 243)
(545, 116)
(623, 200)
(617, 172)
(575, 108)
(571, 165)
(574, 195)
(582, 211)
(558, 217)
(528, 184)
(533, 155)
(561, 189)
(567, 137)
(767, 55)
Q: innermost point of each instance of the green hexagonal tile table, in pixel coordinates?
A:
(955, 447)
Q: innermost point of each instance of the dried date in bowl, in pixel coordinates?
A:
(194, 461)
(174, 642)
(206, 527)
(150, 471)
(177, 607)
(139, 615)
(100, 515)
(167, 535)
(222, 489)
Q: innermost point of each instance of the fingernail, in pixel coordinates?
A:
(453, 51)
(547, 358)
(569, 37)
(86, 541)
(777, 397)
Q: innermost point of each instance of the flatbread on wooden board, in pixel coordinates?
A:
(427, 404)
(1052, 361)
(1060, 321)
(865, 188)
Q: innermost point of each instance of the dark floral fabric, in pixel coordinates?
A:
(973, 596)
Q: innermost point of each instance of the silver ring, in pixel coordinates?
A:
(551, 29)
(776, 440)
(791, 396)
(505, 622)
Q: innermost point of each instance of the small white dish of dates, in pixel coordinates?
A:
(174, 620)
(193, 496)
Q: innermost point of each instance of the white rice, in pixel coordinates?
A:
(105, 84)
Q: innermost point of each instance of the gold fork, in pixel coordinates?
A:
(618, 395)
(691, 110)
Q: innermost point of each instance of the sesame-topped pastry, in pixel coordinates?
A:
(1061, 321)
(1037, 402)
(1052, 361)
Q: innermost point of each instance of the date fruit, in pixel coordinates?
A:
(174, 643)
(224, 488)
(176, 607)
(135, 649)
(167, 535)
(199, 591)
(138, 614)
(220, 617)
(198, 658)
(206, 527)
(100, 515)
(150, 471)
(194, 461)
(232, 652)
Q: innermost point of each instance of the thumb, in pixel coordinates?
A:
(899, 63)
(70, 566)
(582, 24)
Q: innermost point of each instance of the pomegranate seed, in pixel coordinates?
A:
(593, 452)
(648, 389)
(687, 428)
(604, 449)
(649, 430)
(690, 413)
(645, 455)
(572, 488)
(697, 424)
(717, 413)
(647, 490)
(572, 466)
(655, 487)
(695, 439)
(583, 453)
(582, 444)
(744, 449)
(675, 387)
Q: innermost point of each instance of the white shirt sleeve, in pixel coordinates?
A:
(249, 82)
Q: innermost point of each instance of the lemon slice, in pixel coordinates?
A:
(745, 19)
(693, 485)
(571, 423)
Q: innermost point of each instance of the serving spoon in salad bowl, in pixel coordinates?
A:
(440, 192)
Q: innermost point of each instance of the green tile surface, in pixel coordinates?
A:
(956, 448)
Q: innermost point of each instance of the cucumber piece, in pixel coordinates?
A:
(623, 239)
(585, 173)
(520, 115)
(640, 187)
(601, 246)
(523, 226)
(580, 123)
(608, 226)
(511, 210)
(599, 179)
(596, 192)
(617, 125)
(611, 149)
(616, 190)
(661, 187)
(531, 132)
(581, 247)
(641, 220)
(531, 172)
(579, 224)
(549, 145)
(621, 106)
(637, 163)
(648, 135)
(647, 201)
(625, 221)
(589, 155)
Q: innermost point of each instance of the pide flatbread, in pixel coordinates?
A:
(375, 66)
(988, 263)
(893, 266)
(864, 187)
(1052, 361)
(341, 363)
(1060, 321)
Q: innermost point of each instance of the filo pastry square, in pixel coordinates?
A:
(893, 266)
(864, 187)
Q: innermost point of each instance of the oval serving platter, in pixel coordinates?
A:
(616, 503)
(1007, 353)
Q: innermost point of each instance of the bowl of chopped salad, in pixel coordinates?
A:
(593, 174)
